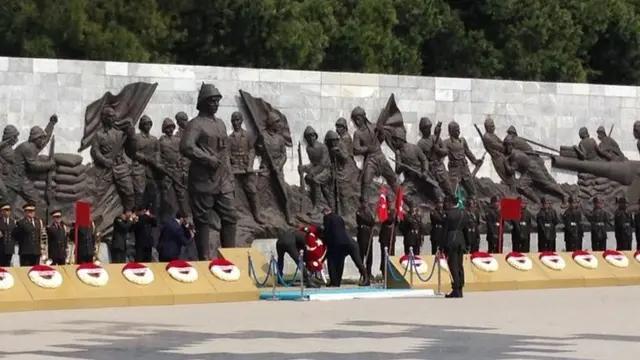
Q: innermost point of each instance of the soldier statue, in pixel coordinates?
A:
(495, 149)
(318, 171)
(344, 165)
(587, 147)
(272, 148)
(458, 151)
(608, 148)
(242, 156)
(636, 134)
(522, 145)
(342, 128)
(411, 161)
(367, 144)
(182, 119)
(431, 146)
(7, 159)
(173, 194)
(211, 183)
(623, 226)
(599, 220)
(145, 163)
(108, 153)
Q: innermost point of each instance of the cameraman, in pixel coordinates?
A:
(174, 235)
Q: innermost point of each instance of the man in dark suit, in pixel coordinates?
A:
(57, 234)
(28, 234)
(143, 232)
(291, 242)
(121, 229)
(339, 245)
(454, 222)
(7, 241)
(173, 237)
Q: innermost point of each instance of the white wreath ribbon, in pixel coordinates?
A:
(616, 258)
(519, 261)
(38, 278)
(6, 280)
(183, 274)
(420, 266)
(138, 275)
(97, 276)
(553, 261)
(587, 261)
(225, 272)
(485, 263)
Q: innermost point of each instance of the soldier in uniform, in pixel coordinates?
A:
(573, 231)
(345, 167)
(412, 162)
(437, 223)
(623, 225)
(454, 246)
(522, 145)
(121, 229)
(318, 171)
(211, 182)
(109, 155)
(145, 162)
(411, 228)
(599, 220)
(346, 145)
(587, 147)
(367, 144)
(472, 229)
(492, 219)
(142, 229)
(272, 147)
(608, 148)
(58, 235)
(7, 159)
(521, 229)
(431, 146)
(387, 237)
(242, 157)
(546, 222)
(174, 197)
(28, 234)
(365, 223)
(458, 151)
(7, 241)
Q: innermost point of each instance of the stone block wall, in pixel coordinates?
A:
(32, 89)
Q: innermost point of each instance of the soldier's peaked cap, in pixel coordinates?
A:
(28, 207)
(36, 132)
(5, 206)
(622, 200)
(495, 198)
(207, 91)
(543, 199)
(596, 199)
(56, 212)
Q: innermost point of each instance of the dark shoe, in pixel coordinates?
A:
(364, 281)
(311, 285)
(453, 295)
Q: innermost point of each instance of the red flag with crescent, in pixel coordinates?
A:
(400, 204)
(383, 206)
(316, 252)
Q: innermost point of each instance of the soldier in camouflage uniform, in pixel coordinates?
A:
(318, 172)
(143, 169)
(170, 158)
(431, 146)
(242, 157)
(458, 152)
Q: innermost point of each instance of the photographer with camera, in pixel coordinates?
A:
(175, 234)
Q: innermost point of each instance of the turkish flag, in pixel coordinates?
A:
(510, 209)
(383, 210)
(400, 204)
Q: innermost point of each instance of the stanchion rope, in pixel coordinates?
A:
(272, 269)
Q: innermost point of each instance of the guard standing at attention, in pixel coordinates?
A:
(7, 241)
(492, 219)
(121, 229)
(521, 230)
(623, 224)
(365, 223)
(411, 228)
(57, 233)
(455, 220)
(471, 230)
(546, 222)
(387, 237)
(28, 234)
(437, 223)
(573, 231)
(599, 219)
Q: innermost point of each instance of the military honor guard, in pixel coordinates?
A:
(492, 219)
(623, 226)
(7, 240)
(573, 229)
(411, 228)
(365, 222)
(30, 233)
(546, 221)
(599, 219)
(58, 236)
(521, 229)
(472, 229)
(454, 245)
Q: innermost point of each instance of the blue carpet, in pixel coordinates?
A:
(291, 294)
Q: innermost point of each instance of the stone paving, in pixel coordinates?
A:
(595, 323)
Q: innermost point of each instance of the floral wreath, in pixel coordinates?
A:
(519, 261)
(585, 259)
(6, 279)
(224, 270)
(419, 267)
(484, 261)
(92, 274)
(45, 276)
(444, 264)
(616, 258)
(138, 273)
(552, 260)
(636, 255)
(182, 271)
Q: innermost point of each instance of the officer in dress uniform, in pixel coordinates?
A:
(546, 221)
(57, 234)
(573, 231)
(471, 231)
(521, 230)
(28, 234)
(7, 241)
(623, 225)
(599, 219)
(365, 223)
(411, 228)
(387, 237)
(437, 222)
(492, 219)
(455, 220)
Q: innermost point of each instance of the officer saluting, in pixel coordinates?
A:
(28, 234)
(7, 241)
(599, 219)
(623, 226)
(455, 221)
(57, 236)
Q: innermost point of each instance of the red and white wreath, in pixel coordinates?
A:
(138, 273)
(519, 261)
(92, 274)
(224, 269)
(552, 260)
(616, 258)
(444, 264)
(585, 259)
(419, 267)
(316, 253)
(636, 255)
(45, 276)
(6, 279)
(182, 271)
(484, 261)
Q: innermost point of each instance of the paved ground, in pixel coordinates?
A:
(597, 323)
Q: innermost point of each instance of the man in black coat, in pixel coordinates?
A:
(521, 229)
(411, 228)
(7, 241)
(58, 236)
(339, 244)
(173, 236)
(86, 247)
(437, 222)
(28, 233)
(291, 242)
(121, 229)
(623, 224)
(573, 230)
(387, 237)
(600, 220)
(546, 221)
(492, 219)
(365, 223)
(143, 232)
(472, 229)
(455, 220)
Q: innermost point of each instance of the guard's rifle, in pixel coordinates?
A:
(300, 172)
(610, 130)
(420, 175)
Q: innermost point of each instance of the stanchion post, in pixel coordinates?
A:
(386, 267)
(411, 265)
(249, 265)
(273, 268)
(301, 271)
(439, 273)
